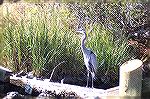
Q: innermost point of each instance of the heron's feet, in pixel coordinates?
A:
(86, 85)
(92, 87)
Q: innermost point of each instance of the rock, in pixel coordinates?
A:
(30, 75)
(13, 95)
(28, 88)
(58, 90)
(5, 74)
(43, 95)
(22, 73)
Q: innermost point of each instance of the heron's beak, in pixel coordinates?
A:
(78, 32)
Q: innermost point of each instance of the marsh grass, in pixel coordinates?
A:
(41, 42)
(42, 38)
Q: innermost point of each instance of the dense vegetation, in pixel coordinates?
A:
(39, 37)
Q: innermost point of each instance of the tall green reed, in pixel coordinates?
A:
(42, 42)
(43, 39)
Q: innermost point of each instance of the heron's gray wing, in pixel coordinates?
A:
(93, 62)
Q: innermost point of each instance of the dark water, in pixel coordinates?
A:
(7, 87)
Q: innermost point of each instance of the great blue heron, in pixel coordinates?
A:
(89, 57)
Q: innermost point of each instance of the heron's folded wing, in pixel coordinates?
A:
(93, 62)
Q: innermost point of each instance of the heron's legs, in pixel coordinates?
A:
(87, 78)
(92, 82)
(92, 74)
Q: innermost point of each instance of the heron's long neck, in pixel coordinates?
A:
(83, 41)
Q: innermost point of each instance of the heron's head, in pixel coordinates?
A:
(80, 31)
